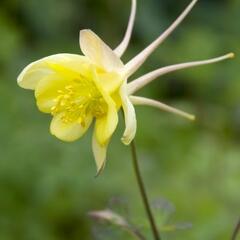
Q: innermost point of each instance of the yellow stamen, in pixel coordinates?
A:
(78, 99)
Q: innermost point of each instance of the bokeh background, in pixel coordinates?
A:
(47, 187)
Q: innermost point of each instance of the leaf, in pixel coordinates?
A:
(175, 227)
(166, 211)
(109, 216)
(163, 210)
(117, 220)
(183, 226)
(119, 205)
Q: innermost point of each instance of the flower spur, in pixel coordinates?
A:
(77, 90)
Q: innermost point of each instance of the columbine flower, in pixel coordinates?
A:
(76, 90)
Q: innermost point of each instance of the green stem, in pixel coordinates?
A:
(143, 193)
(236, 231)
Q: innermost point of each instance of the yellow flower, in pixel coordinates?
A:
(77, 90)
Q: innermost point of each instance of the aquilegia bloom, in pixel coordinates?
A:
(77, 90)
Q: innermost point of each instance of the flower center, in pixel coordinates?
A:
(79, 99)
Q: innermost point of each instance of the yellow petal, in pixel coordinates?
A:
(106, 125)
(99, 152)
(34, 72)
(129, 115)
(110, 81)
(98, 52)
(68, 132)
(47, 91)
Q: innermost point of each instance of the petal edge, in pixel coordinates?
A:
(99, 152)
(68, 132)
(99, 52)
(129, 115)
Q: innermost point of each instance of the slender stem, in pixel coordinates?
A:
(236, 231)
(143, 192)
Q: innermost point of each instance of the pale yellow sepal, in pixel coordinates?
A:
(106, 125)
(99, 152)
(129, 116)
(34, 72)
(99, 52)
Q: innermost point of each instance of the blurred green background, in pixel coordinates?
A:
(47, 187)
